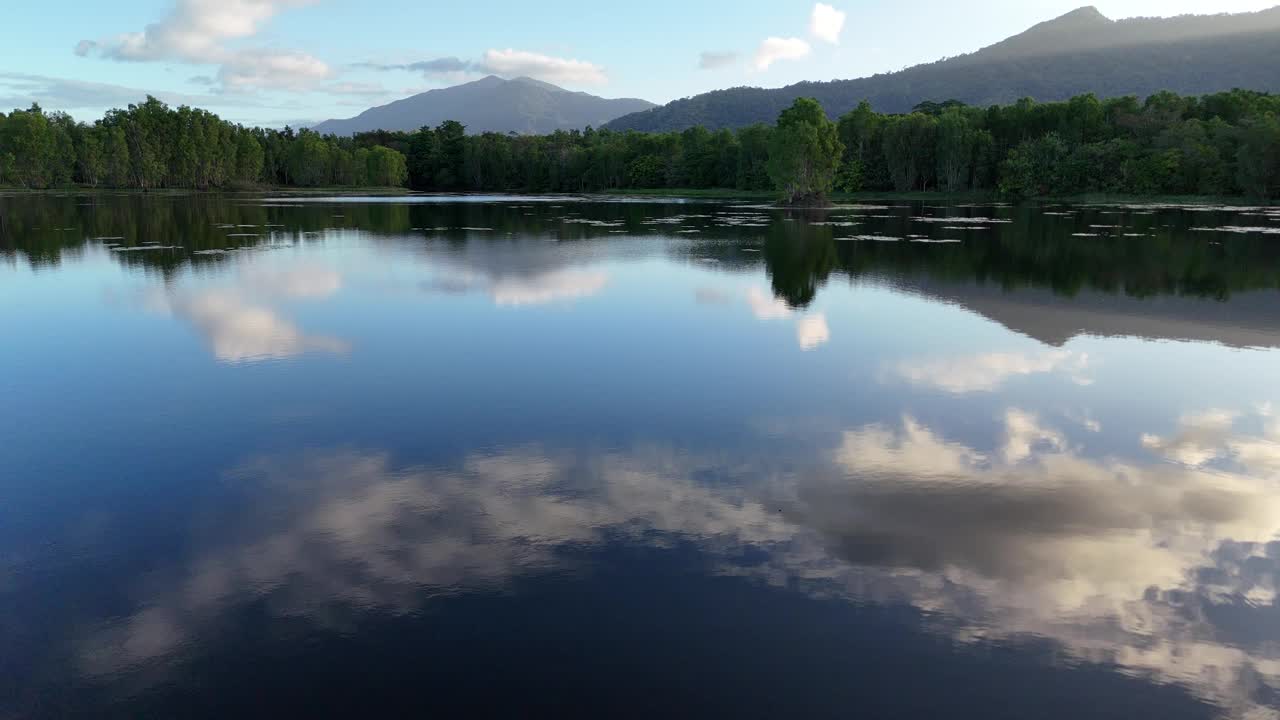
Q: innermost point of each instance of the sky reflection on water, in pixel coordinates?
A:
(1046, 486)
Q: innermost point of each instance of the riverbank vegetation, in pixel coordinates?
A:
(1222, 145)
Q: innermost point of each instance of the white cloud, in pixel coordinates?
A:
(517, 63)
(21, 89)
(196, 32)
(774, 49)
(271, 69)
(356, 88)
(196, 29)
(826, 23)
(988, 371)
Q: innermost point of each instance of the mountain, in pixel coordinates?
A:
(522, 105)
(1080, 52)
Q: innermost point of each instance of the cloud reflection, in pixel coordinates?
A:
(1213, 438)
(988, 371)
(812, 331)
(348, 529)
(239, 321)
(521, 290)
(1118, 562)
(517, 273)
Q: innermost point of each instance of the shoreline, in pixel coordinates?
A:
(974, 197)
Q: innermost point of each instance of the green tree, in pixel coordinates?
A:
(90, 163)
(29, 141)
(753, 158)
(646, 171)
(250, 158)
(449, 155)
(804, 153)
(385, 167)
(1259, 157)
(116, 156)
(309, 160)
(957, 141)
(909, 150)
(1034, 168)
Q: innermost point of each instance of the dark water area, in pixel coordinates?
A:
(264, 456)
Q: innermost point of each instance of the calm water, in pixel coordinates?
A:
(547, 456)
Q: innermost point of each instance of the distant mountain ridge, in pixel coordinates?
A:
(492, 104)
(1080, 52)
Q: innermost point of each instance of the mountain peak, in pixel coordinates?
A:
(1086, 14)
(525, 80)
(1082, 27)
(1079, 52)
(491, 104)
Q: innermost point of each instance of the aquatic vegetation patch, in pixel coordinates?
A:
(962, 220)
(141, 248)
(871, 238)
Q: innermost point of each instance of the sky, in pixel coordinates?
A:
(277, 62)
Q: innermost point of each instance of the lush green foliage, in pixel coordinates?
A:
(1222, 144)
(804, 153)
(151, 146)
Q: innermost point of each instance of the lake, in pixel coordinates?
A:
(292, 454)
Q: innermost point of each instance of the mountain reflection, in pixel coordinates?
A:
(515, 272)
(1138, 563)
(1149, 274)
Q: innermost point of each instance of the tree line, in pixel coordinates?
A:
(1220, 144)
(152, 146)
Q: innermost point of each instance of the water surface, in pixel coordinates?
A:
(529, 455)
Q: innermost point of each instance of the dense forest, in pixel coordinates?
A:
(1078, 53)
(152, 146)
(1222, 144)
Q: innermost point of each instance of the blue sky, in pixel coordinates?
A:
(273, 62)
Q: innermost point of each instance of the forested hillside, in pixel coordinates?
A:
(1081, 52)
